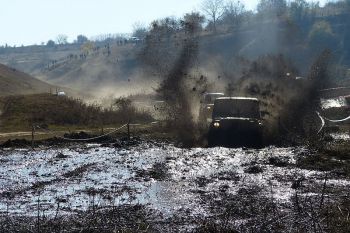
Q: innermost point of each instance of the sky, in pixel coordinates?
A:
(26, 22)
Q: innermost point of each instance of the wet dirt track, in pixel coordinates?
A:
(170, 180)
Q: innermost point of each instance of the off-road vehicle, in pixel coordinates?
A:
(236, 121)
(207, 104)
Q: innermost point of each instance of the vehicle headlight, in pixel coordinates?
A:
(208, 107)
(216, 124)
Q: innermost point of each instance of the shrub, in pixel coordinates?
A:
(23, 111)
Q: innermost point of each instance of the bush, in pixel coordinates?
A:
(23, 111)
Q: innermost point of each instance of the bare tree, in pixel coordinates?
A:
(214, 9)
(192, 22)
(50, 43)
(62, 39)
(139, 30)
(81, 39)
(234, 11)
(298, 10)
(272, 7)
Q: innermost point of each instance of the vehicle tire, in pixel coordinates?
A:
(258, 140)
(212, 139)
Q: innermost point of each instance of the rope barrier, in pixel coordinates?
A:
(86, 139)
(338, 121)
(94, 138)
(324, 119)
(323, 122)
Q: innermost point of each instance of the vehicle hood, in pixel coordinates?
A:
(234, 119)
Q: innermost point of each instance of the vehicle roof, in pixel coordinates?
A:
(214, 93)
(237, 98)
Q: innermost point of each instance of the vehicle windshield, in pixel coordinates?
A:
(244, 108)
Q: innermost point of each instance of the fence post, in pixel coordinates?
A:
(33, 132)
(128, 130)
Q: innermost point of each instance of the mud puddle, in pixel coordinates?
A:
(170, 180)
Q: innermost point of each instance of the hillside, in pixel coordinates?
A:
(115, 69)
(14, 82)
(99, 72)
(122, 67)
(34, 59)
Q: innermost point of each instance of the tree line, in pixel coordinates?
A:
(304, 28)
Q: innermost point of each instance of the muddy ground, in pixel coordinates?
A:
(152, 186)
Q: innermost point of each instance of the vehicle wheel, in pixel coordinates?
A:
(258, 142)
(212, 139)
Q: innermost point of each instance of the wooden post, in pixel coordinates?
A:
(38, 216)
(128, 130)
(33, 132)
